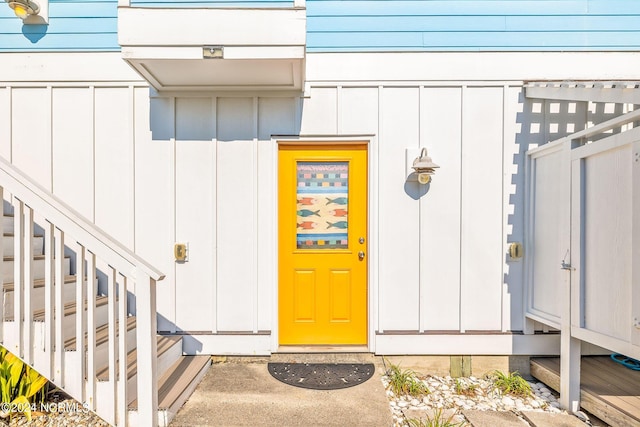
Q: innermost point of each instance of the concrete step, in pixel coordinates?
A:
(493, 419)
(546, 419)
(38, 268)
(329, 357)
(7, 244)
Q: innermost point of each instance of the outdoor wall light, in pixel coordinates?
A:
(24, 8)
(424, 167)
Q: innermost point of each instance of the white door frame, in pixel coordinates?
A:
(372, 225)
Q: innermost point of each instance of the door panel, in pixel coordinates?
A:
(322, 245)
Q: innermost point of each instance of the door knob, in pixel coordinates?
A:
(361, 255)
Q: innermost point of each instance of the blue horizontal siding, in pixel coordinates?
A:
(370, 25)
(474, 25)
(71, 28)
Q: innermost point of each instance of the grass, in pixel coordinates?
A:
(511, 383)
(438, 420)
(465, 389)
(405, 382)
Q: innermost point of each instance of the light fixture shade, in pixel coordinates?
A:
(424, 164)
(24, 8)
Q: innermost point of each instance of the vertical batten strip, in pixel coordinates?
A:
(254, 210)
(113, 350)
(422, 282)
(505, 316)
(147, 349)
(59, 306)
(10, 120)
(339, 110)
(49, 328)
(375, 255)
(214, 214)
(122, 351)
(174, 212)
(28, 285)
(81, 315)
(48, 124)
(461, 305)
(91, 331)
(18, 276)
(93, 154)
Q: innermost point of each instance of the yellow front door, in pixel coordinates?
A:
(322, 220)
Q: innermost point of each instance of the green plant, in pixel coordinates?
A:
(20, 385)
(404, 381)
(511, 383)
(438, 420)
(465, 389)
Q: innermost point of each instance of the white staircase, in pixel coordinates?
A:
(80, 308)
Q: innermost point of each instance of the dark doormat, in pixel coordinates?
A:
(322, 376)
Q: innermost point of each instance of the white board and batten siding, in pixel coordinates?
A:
(441, 263)
(201, 169)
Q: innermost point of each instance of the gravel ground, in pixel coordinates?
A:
(59, 411)
(452, 395)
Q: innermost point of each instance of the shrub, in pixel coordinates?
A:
(20, 385)
(511, 383)
(405, 382)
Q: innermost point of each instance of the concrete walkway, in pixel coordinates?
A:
(245, 394)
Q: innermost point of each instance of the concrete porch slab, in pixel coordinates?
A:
(235, 394)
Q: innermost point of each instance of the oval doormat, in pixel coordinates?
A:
(322, 376)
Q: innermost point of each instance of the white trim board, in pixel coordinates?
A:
(469, 344)
(66, 67)
(471, 66)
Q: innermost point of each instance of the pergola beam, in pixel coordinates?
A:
(612, 92)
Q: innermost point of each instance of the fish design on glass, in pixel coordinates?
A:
(307, 225)
(339, 224)
(337, 200)
(306, 212)
(338, 212)
(307, 201)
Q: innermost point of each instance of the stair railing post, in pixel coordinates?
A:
(18, 275)
(91, 330)
(58, 375)
(49, 298)
(146, 330)
(81, 318)
(123, 399)
(28, 285)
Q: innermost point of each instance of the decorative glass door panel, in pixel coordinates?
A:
(322, 205)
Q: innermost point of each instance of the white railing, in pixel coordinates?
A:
(41, 343)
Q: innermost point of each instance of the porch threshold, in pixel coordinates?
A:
(322, 349)
(323, 354)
